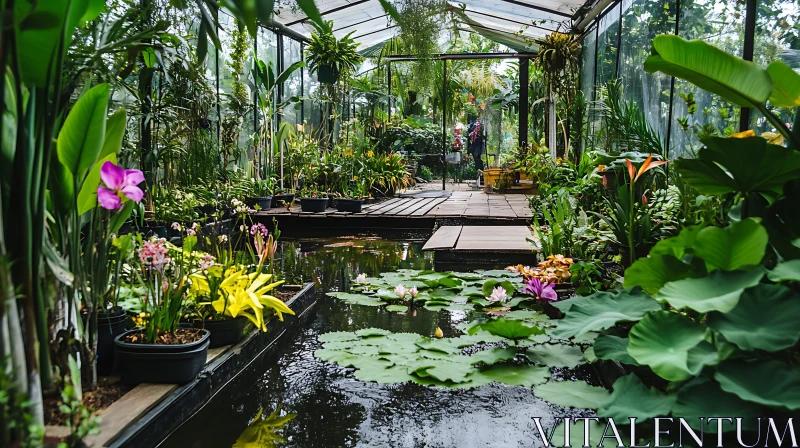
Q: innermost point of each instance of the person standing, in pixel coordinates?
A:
(476, 141)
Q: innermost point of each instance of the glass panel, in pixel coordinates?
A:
(608, 41)
(588, 64)
(235, 96)
(642, 20)
(720, 24)
(292, 86)
(777, 38)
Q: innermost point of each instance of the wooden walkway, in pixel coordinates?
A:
(506, 239)
(461, 204)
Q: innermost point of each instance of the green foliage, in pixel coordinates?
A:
(80, 420)
(600, 311)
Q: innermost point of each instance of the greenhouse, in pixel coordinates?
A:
(400, 223)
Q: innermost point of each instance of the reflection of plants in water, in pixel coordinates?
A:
(328, 262)
(264, 432)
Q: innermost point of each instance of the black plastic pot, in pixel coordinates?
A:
(277, 201)
(327, 74)
(153, 230)
(161, 363)
(349, 205)
(109, 326)
(313, 205)
(223, 332)
(264, 202)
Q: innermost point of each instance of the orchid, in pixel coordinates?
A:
(401, 291)
(498, 295)
(540, 290)
(119, 184)
(154, 254)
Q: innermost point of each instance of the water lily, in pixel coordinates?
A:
(438, 333)
(541, 290)
(361, 279)
(413, 291)
(119, 184)
(498, 295)
(401, 291)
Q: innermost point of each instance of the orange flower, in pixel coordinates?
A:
(646, 166)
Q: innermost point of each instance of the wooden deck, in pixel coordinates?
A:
(458, 246)
(461, 204)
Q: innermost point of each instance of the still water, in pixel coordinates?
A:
(324, 406)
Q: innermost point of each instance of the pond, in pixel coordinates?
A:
(325, 406)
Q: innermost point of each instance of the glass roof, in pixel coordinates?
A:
(495, 19)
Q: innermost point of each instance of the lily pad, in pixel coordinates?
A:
(576, 394)
(786, 271)
(337, 336)
(339, 357)
(662, 340)
(518, 375)
(396, 308)
(452, 372)
(508, 328)
(438, 345)
(369, 332)
(492, 356)
(631, 398)
(384, 375)
(556, 355)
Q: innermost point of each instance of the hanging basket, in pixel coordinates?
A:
(327, 74)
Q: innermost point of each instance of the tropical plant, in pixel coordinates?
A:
(555, 235)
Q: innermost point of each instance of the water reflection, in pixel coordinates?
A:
(264, 432)
(335, 410)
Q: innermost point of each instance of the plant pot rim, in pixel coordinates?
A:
(351, 199)
(171, 348)
(313, 199)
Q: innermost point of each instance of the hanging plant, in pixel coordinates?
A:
(421, 22)
(559, 60)
(329, 57)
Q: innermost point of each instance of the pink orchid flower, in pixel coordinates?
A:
(119, 184)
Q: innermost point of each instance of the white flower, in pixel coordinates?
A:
(413, 291)
(236, 202)
(177, 226)
(361, 279)
(222, 238)
(498, 295)
(195, 226)
(401, 291)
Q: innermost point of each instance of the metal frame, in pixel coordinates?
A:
(461, 56)
(472, 11)
(330, 11)
(539, 8)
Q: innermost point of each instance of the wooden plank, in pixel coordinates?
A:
(494, 239)
(422, 211)
(399, 204)
(380, 206)
(414, 205)
(444, 238)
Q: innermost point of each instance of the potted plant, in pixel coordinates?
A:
(229, 297)
(330, 57)
(312, 200)
(160, 351)
(262, 190)
(352, 197)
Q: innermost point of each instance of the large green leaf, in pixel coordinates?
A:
(47, 31)
(720, 291)
(492, 356)
(702, 398)
(740, 165)
(556, 355)
(662, 340)
(785, 85)
(82, 136)
(785, 271)
(741, 82)
(116, 125)
(677, 245)
(771, 383)
(576, 394)
(613, 348)
(631, 398)
(729, 248)
(654, 271)
(764, 319)
(518, 375)
(603, 310)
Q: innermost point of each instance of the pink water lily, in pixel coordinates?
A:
(541, 290)
(119, 184)
(499, 294)
(400, 291)
(413, 291)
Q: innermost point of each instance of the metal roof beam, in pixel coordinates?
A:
(373, 32)
(330, 11)
(461, 56)
(540, 8)
(361, 22)
(508, 20)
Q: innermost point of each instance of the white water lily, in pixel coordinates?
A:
(401, 291)
(498, 295)
(361, 279)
